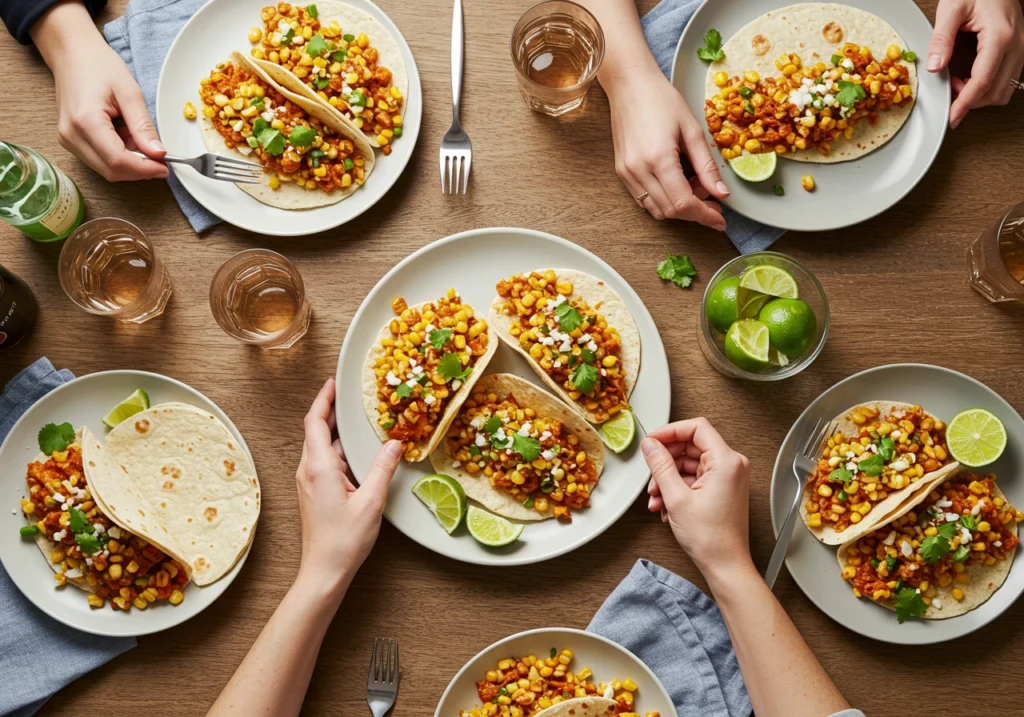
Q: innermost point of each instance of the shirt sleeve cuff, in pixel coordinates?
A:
(21, 15)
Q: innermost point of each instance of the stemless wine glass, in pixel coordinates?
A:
(995, 262)
(108, 267)
(258, 297)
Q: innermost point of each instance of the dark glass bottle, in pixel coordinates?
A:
(18, 309)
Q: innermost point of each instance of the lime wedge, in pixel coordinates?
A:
(754, 167)
(445, 498)
(490, 529)
(138, 401)
(618, 432)
(976, 437)
(746, 345)
(749, 303)
(771, 280)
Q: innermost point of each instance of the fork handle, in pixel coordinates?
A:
(167, 158)
(457, 52)
(782, 544)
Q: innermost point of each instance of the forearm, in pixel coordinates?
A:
(273, 678)
(65, 26)
(626, 49)
(782, 675)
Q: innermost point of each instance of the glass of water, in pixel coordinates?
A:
(995, 262)
(258, 297)
(107, 266)
(557, 47)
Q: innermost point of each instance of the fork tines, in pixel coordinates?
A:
(455, 166)
(383, 663)
(237, 170)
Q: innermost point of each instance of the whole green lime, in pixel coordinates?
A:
(721, 306)
(791, 325)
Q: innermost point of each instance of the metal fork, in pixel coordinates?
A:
(382, 684)
(216, 166)
(805, 463)
(456, 149)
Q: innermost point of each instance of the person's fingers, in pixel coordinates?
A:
(113, 160)
(958, 86)
(664, 515)
(698, 431)
(697, 188)
(318, 441)
(663, 470)
(684, 204)
(1001, 90)
(136, 117)
(652, 487)
(687, 465)
(700, 157)
(656, 504)
(382, 471)
(636, 189)
(983, 74)
(949, 17)
(657, 202)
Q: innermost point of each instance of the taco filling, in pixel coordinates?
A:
(568, 339)
(340, 67)
(922, 561)
(807, 107)
(88, 549)
(426, 355)
(529, 456)
(255, 118)
(888, 454)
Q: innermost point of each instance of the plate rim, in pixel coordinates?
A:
(499, 559)
(415, 87)
(777, 520)
(898, 196)
(221, 585)
(556, 631)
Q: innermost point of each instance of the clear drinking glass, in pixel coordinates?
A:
(995, 262)
(557, 48)
(258, 297)
(107, 266)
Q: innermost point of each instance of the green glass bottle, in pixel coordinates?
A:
(35, 197)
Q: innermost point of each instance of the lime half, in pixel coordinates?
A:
(746, 345)
(490, 529)
(749, 303)
(618, 432)
(976, 437)
(754, 167)
(138, 401)
(770, 280)
(445, 498)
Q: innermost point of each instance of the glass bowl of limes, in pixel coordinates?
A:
(765, 317)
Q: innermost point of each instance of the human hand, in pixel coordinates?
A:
(340, 522)
(651, 127)
(701, 488)
(101, 113)
(999, 25)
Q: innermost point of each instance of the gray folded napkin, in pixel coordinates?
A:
(663, 26)
(142, 38)
(39, 655)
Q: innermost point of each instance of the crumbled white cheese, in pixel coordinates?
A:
(114, 532)
(906, 549)
(477, 422)
(392, 379)
(890, 538)
(429, 399)
(481, 440)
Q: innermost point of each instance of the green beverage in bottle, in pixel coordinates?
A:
(35, 197)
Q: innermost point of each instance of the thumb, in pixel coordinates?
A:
(664, 471)
(382, 471)
(136, 118)
(949, 18)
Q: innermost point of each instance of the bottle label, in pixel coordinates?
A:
(65, 208)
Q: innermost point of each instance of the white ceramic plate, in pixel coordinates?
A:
(220, 27)
(473, 262)
(84, 402)
(814, 567)
(607, 659)
(848, 192)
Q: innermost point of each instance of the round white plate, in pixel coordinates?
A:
(210, 36)
(84, 402)
(877, 180)
(607, 659)
(473, 262)
(813, 565)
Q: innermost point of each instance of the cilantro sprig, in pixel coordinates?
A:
(711, 51)
(527, 447)
(53, 437)
(677, 269)
(316, 46)
(439, 337)
(404, 390)
(909, 604)
(584, 377)
(849, 93)
(872, 466)
(492, 424)
(450, 367)
(841, 475)
(568, 318)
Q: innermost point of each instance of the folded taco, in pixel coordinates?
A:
(577, 335)
(334, 53)
(311, 156)
(420, 369)
(520, 452)
(882, 455)
(942, 554)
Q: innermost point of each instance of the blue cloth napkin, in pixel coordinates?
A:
(39, 655)
(678, 632)
(142, 38)
(663, 26)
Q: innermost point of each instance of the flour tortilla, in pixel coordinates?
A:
(815, 31)
(290, 195)
(985, 579)
(883, 511)
(369, 382)
(354, 21)
(527, 395)
(602, 298)
(581, 707)
(176, 476)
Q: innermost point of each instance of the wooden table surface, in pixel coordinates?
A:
(898, 290)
